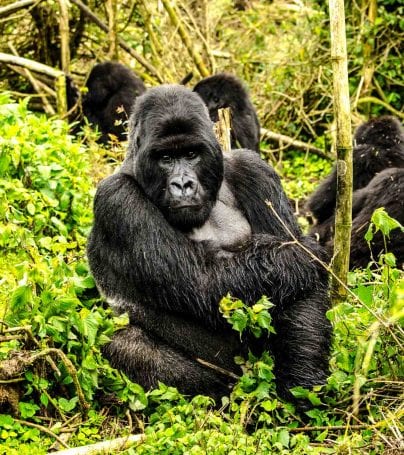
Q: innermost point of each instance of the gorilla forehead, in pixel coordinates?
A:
(167, 102)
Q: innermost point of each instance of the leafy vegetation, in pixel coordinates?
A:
(55, 385)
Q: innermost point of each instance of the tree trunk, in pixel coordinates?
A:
(64, 36)
(343, 214)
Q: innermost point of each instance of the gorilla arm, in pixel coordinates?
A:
(136, 256)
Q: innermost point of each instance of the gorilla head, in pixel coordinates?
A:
(174, 155)
(385, 132)
(226, 91)
(221, 91)
(107, 79)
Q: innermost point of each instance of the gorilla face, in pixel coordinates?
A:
(175, 155)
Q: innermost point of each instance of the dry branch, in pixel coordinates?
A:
(103, 447)
(222, 129)
(59, 76)
(35, 84)
(30, 64)
(13, 7)
(300, 145)
(121, 42)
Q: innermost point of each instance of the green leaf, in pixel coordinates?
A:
(384, 222)
(67, 405)
(6, 421)
(27, 410)
(284, 437)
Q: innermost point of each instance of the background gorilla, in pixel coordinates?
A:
(174, 185)
(385, 190)
(112, 90)
(378, 144)
(224, 90)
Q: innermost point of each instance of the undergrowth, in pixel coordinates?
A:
(56, 389)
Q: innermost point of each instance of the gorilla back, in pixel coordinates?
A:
(112, 90)
(154, 254)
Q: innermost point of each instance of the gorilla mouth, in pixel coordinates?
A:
(185, 206)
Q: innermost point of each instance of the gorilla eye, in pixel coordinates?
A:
(215, 99)
(166, 159)
(191, 154)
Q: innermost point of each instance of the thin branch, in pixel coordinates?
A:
(267, 134)
(13, 7)
(221, 370)
(204, 72)
(121, 42)
(374, 100)
(43, 430)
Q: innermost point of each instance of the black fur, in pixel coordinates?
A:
(112, 90)
(378, 158)
(386, 190)
(222, 91)
(379, 145)
(145, 261)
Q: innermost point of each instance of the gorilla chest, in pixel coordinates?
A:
(226, 228)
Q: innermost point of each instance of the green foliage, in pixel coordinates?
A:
(45, 215)
(256, 318)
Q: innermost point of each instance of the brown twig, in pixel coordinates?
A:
(218, 369)
(43, 430)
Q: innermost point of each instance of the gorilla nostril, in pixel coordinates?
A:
(189, 184)
(176, 185)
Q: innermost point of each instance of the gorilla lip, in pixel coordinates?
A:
(184, 206)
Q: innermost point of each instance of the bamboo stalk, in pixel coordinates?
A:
(64, 35)
(61, 99)
(369, 66)
(343, 211)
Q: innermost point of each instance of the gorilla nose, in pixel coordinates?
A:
(182, 186)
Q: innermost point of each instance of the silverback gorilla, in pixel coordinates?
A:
(112, 90)
(177, 228)
(378, 146)
(224, 90)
